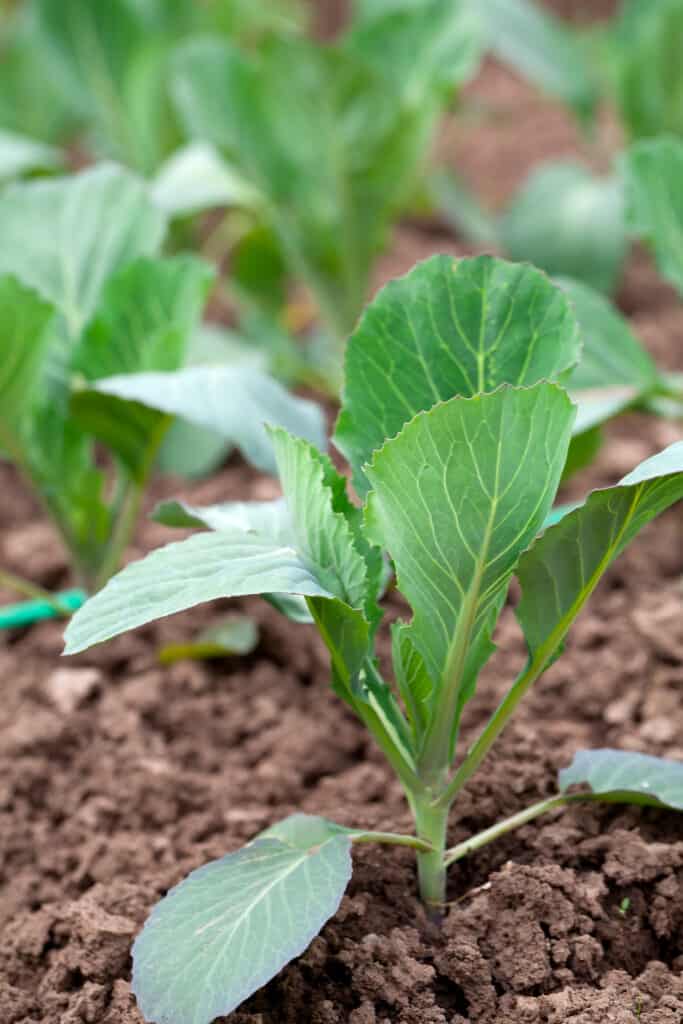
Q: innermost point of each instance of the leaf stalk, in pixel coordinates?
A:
(507, 825)
(394, 839)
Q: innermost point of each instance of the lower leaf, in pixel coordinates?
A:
(627, 777)
(231, 925)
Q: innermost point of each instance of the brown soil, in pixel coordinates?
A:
(118, 776)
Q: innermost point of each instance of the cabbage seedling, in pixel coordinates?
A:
(101, 71)
(94, 332)
(456, 425)
(360, 115)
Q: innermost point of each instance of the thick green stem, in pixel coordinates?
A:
(431, 823)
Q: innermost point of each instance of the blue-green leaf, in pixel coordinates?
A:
(562, 568)
(111, 60)
(360, 116)
(267, 518)
(189, 450)
(324, 534)
(231, 925)
(421, 47)
(235, 402)
(144, 321)
(627, 776)
(328, 537)
(413, 680)
(202, 568)
(146, 316)
(65, 237)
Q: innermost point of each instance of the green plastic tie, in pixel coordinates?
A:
(26, 613)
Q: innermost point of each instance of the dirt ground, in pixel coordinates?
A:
(119, 777)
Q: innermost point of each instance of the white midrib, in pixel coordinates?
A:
(435, 755)
(252, 905)
(435, 758)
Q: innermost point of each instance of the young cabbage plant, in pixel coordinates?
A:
(359, 118)
(95, 328)
(100, 72)
(456, 425)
